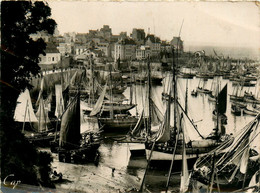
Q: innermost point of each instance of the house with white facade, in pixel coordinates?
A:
(125, 49)
(53, 56)
(143, 52)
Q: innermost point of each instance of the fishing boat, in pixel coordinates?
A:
(236, 109)
(250, 98)
(120, 122)
(108, 101)
(146, 125)
(202, 89)
(185, 73)
(44, 133)
(204, 72)
(237, 94)
(72, 145)
(34, 126)
(167, 142)
(194, 93)
(212, 97)
(231, 165)
(251, 112)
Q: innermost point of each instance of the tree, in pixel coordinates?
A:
(19, 63)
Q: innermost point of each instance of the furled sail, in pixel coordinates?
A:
(73, 79)
(99, 103)
(24, 110)
(59, 101)
(70, 125)
(47, 102)
(42, 115)
(138, 129)
(164, 134)
(156, 115)
(222, 100)
(41, 91)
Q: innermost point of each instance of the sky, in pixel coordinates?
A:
(207, 23)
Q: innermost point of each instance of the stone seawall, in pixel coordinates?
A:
(53, 77)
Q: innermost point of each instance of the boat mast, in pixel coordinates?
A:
(25, 115)
(149, 97)
(217, 108)
(93, 78)
(111, 93)
(186, 98)
(135, 96)
(174, 92)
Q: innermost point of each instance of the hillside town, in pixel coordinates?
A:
(104, 47)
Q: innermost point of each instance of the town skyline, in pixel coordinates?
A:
(217, 24)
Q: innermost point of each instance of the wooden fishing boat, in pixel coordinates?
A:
(114, 120)
(231, 165)
(147, 124)
(237, 95)
(250, 112)
(202, 89)
(194, 93)
(204, 76)
(212, 98)
(236, 110)
(74, 146)
(186, 75)
(168, 141)
(36, 127)
(156, 78)
(118, 107)
(119, 122)
(239, 104)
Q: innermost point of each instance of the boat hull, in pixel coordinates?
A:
(164, 155)
(205, 91)
(137, 149)
(116, 124)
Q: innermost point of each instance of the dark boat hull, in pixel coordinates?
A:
(202, 90)
(84, 154)
(117, 124)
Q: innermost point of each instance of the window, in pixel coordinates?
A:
(52, 58)
(49, 59)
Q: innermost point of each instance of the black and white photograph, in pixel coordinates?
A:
(127, 96)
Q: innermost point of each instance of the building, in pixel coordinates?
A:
(104, 47)
(64, 48)
(79, 49)
(125, 49)
(143, 52)
(177, 43)
(123, 35)
(70, 37)
(53, 56)
(166, 47)
(105, 32)
(138, 36)
(155, 45)
(81, 38)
